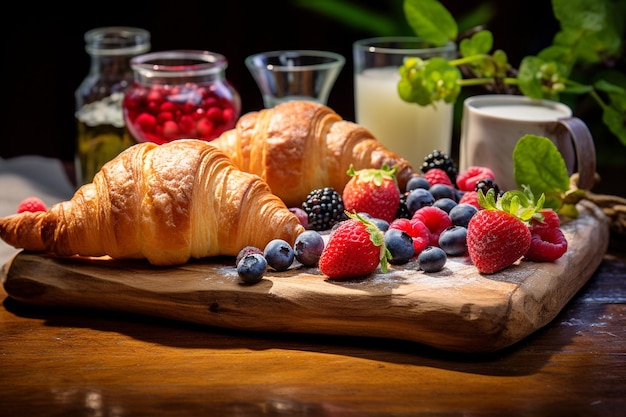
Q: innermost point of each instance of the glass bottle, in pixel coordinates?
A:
(102, 134)
(180, 94)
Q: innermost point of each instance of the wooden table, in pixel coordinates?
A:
(61, 362)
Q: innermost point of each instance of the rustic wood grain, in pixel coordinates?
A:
(59, 361)
(456, 309)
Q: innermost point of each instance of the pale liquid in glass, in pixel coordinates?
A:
(408, 129)
(528, 112)
(271, 101)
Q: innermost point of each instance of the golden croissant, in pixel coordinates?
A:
(298, 146)
(166, 203)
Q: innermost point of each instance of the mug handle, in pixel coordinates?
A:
(585, 150)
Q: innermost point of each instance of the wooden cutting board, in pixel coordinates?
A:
(456, 309)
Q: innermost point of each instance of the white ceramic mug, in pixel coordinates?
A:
(493, 123)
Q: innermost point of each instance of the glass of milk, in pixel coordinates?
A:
(408, 129)
(286, 75)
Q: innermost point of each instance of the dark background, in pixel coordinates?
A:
(44, 59)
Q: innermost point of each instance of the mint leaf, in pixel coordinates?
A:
(480, 43)
(431, 21)
(538, 164)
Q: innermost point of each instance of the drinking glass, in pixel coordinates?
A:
(410, 130)
(295, 75)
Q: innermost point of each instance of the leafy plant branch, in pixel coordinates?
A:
(591, 33)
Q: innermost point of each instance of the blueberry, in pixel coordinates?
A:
(462, 213)
(446, 204)
(415, 182)
(419, 198)
(442, 191)
(383, 225)
(432, 259)
(279, 254)
(251, 268)
(459, 194)
(308, 247)
(453, 240)
(400, 245)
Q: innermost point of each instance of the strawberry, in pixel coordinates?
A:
(355, 248)
(499, 235)
(466, 180)
(32, 204)
(372, 191)
(545, 218)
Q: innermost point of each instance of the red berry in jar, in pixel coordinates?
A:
(180, 95)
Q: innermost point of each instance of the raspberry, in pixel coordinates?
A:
(437, 176)
(435, 219)
(416, 229)
(32, 204)
(248, 250)
(470, 197)
(466, 180)
(547, 244)
(438, 159)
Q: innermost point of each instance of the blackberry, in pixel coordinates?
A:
(403, 210)
(438, 159)
(486, 184)
(324, 208)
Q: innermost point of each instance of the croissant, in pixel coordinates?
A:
(298, 146)
(166, 203)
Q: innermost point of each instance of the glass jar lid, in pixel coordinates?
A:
(178, 64)
(117, 40)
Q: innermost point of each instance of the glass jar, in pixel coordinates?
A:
(101, 131)
(180, 95)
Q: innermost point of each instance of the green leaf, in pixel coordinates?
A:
(538, 164)
(592, 29)
(580, 14)
(431, 21)
(479, 43)
(529, 82)
(539, 78)
(608, 87)
(520, 204)
(577, 89)
(356, 16)
(562, 54)
(616, 122)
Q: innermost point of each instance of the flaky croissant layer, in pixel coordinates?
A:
(299, 146)
(167, 204)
